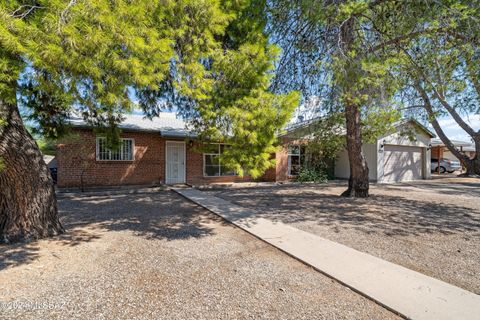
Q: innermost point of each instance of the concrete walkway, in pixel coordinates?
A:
(406, 292)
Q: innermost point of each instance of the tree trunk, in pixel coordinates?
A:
(472, 165)
(28, 207)
(358, 184)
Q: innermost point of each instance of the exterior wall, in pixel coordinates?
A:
(195, 175)
(397, 138)
(281, 158)
(428, 164)
(147, 168)
(448, 155)
(375, 156)
(420, 139)
(437, 152)
(342, 166)
(445, 153)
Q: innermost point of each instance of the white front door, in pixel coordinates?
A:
(175, 162)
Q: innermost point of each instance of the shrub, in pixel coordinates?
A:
(309, 174)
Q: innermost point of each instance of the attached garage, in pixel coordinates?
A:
(402, 163)
(403, 155)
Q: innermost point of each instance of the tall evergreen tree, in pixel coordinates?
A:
(88, 57)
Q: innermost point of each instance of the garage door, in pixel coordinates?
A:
(402, 163)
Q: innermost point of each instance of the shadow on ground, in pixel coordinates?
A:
(456, 188)
(389, 215)
(163, 215)
(17, 254)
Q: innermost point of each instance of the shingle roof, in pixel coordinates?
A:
(167, 124)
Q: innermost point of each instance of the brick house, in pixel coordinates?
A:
(158, 151)
(163, 151)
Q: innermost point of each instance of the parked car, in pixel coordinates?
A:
(446, 165)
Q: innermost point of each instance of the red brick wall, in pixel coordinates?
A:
(195, 171)
(282, 164)
(280, 171)
(148, 166)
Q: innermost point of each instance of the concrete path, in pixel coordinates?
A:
(406, 292)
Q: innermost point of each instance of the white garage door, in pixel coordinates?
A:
(402, 163)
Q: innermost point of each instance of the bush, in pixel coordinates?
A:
(309, 174)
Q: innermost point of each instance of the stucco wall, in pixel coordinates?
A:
(400, 137)
(403, 137)
(374, 154)
(342, 167)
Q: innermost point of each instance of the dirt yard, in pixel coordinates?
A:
(157, 256)
(431, 226)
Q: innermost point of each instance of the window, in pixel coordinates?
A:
(124, 153)
(212, 166)
(296, 155)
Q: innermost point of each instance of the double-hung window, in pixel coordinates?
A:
(123, 153)
(296, 155)
(212, 165)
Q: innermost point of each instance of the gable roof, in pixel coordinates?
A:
(302, 127)
(417, 124)
(166, 124)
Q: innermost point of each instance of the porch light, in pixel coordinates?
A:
(382, 145)
(429, 147)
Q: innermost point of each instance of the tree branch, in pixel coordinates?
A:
(442, 100)
(433, 120)
(21, 14)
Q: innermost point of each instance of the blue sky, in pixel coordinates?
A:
(453, 130)
(450, 127)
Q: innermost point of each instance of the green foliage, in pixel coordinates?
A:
(328, 138)
(378, 122)
(47, 146)
(352, 53)
(94, 58)
(312, 174)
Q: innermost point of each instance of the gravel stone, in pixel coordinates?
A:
(158, 256)
(432, 226)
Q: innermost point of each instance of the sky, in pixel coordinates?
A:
(453, 130)
(449, 126)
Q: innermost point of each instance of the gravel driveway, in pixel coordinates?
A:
(157, 256)
(429, 226)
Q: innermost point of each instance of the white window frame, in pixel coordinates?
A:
(219, 163)
(110, 152)
(289, 158)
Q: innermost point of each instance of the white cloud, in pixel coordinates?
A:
(453, 130)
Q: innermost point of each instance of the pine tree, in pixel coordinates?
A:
(95, 57)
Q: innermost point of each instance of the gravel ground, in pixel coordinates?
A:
(157, 256)
(431, 226)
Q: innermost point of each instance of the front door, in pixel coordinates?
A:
(175, 162)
